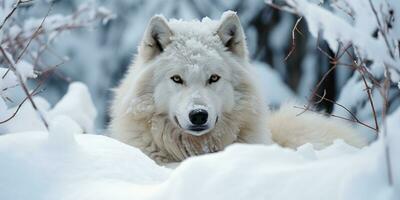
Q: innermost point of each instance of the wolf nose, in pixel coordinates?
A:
(198, 116)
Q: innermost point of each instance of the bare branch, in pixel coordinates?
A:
(33, 93)
(294, 38)
(35, 33)
(368, 89)
(355, 119)
(10, 13)
(24, 87)
(305, 109)
(381, 29)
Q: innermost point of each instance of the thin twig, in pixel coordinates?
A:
(305, 109)
(23, 86)
(321, 97)
(293, 38)
(368, 89)
(347, 110)
(10, 13)
(47, 74)
(31, 38)
(381, 29)
(362, 71)
(35, 33)
(33, 93)
(282, 8)
(316, 88)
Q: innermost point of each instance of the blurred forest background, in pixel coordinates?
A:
(99, 55)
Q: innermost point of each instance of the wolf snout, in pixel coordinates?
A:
(198, 117)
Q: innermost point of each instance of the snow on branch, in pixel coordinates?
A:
(368, 27)
(24, 42)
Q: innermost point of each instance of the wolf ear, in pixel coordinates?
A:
(231, 34)
(156, 37)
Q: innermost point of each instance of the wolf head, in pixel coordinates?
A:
(193, 82)
(189, 90)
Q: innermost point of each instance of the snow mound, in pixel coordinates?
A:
(26, 118)
(76, 108)
(78, 105)
(259, 172)
(38, 165)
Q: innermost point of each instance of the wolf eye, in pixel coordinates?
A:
(177, 79)
(213, 78)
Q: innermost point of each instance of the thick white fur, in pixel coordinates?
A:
(146, 99)
(291, 127)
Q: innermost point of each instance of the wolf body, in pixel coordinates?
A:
(191, 91)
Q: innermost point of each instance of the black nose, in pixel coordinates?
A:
(198, 116)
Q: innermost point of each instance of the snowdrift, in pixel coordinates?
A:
(37, 165)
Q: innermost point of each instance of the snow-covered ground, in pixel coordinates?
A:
(63, 163)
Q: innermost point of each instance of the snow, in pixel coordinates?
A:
(38, 165)
(42, 165)
(76, 107)
(77, 98)
(260, 172)
(393, 137)
(273, 88)
(9, 79)
(3, 106)
(26, 118)
(25, 69)
(336, 29)
(309, 67)
(14, 31)
(278, 41)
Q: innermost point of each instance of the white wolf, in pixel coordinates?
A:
(191, 91)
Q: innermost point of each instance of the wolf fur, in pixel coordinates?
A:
(150, 111)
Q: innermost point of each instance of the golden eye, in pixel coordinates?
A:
(177, 79)
(213, 78)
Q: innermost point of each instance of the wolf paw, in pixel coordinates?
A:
(160, 157)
